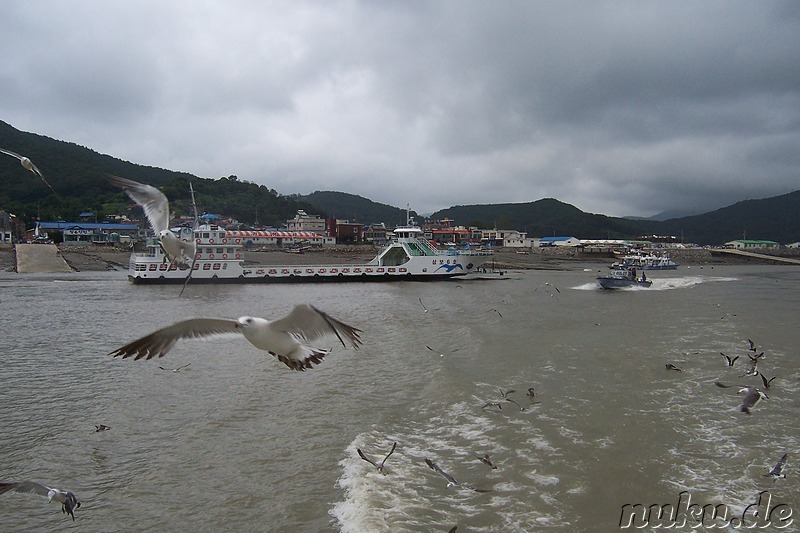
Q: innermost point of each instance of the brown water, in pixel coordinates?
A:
(238, 442)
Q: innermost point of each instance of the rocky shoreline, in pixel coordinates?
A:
(91, 258)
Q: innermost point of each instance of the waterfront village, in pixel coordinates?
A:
(306, 230)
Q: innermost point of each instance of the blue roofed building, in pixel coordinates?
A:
(559, 241)
(82, 233)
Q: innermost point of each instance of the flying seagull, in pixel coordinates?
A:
(67, 499)
(752, 371)
(451, 481)
(487, 461)
(286, 338)
(670, 366)
(423, 305)
(728, 360)
(766, 381)
(156, 209)
(752, 345)
(548, 284)
(776, 470)
(101, 427)
(378, 466)
(178, 369)
(751, 397)
(441, 354)
(28, 165)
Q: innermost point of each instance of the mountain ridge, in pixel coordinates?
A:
(82, 185)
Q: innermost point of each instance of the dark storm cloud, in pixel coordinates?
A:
(616, 107)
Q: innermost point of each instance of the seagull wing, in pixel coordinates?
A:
(161, 341)
(153, 201)
(388, 454)
(309, 323)
(12, 154)
(367, 459)
(29, 487)
(436, 468)
(776, 470)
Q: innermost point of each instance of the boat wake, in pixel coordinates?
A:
(660, 284)
(412, 497)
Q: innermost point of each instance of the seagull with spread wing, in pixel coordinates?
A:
(28, 165)
(67, 499)
(378, 466)
(156, 209)
(286, 338)
(451, 481)
(777, 470)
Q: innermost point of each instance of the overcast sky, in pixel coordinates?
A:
(617, 107)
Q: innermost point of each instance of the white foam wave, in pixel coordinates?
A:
(661, 284)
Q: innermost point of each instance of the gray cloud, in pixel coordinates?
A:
(616, 107)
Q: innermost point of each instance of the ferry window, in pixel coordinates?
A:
(224, 266)
(205, 235)
(220, 250)
(230, 250)
(222, 235)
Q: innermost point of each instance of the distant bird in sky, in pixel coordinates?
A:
(730, 361)
(378, 466)
(451, 481)
(28, 165)
(177, 369)
(101, 427)
(156, 209)
(286, 338)
(670, 366)
(67, 499)
(778, 468)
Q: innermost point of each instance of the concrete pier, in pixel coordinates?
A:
(765, 257)
(39, 258)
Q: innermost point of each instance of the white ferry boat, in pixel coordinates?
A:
(219, 258)
(646, 261)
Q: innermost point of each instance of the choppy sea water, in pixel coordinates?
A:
(238, 442)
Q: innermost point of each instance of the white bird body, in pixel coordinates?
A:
(156, 208)
(67, 499)
(28, 165)
(286, 338)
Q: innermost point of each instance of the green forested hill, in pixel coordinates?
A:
(78, 175)
(356, 208)
(547, 217)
